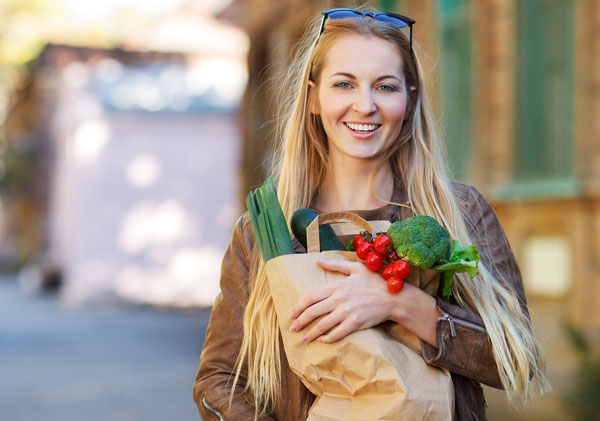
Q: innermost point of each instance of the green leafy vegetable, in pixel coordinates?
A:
(268, 221)
(462, 259)
(421, 241)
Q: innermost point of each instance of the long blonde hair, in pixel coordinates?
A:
(299, 165)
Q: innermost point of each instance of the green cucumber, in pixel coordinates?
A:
(302, 218)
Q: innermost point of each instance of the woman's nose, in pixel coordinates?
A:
(364, 102)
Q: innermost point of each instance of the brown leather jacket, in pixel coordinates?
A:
(464, 347)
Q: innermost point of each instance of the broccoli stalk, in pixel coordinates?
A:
(422, 242)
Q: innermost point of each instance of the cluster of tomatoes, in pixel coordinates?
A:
(379, 255)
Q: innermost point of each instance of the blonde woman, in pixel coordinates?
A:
(357, 134)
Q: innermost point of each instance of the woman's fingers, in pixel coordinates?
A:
(311, 313)
(323, 326)
(309, 299)
(342, 266)
(347, 304)
(339, 332)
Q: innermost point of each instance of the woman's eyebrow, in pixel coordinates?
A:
(351, 76)
(348, 75)
(387, 77)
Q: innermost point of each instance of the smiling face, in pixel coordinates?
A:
(361, 96)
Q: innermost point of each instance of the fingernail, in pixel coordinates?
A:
(293, 328)
(291, 315)
(305, 339)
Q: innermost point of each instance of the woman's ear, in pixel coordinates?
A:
(313, 102)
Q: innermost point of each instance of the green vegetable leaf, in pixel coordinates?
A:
(350, 246)
(462, 259)
(447, 281)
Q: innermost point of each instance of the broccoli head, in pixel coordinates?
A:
(420, 240)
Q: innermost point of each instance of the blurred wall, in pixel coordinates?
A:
(120, 152)
(143, 181)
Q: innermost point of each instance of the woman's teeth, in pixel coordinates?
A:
(362, 127)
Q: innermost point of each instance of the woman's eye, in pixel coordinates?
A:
(389, 88)
(343, 85)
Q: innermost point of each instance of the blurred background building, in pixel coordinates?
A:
(133, 150)
(130, 139)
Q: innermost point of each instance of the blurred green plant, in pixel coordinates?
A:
(582, 396)
(17, 171)
(21, 36)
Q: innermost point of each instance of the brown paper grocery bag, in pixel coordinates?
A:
(372, 374)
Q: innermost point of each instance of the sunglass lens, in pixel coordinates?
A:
(391, 20)
(343, 14)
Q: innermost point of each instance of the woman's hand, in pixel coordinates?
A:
(359, 301)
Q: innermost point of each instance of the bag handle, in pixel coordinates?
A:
(313, 244)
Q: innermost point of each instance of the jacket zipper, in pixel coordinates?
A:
(212, 410)
(452, 321)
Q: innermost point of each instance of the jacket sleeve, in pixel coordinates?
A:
(224, 336)
(464, 346)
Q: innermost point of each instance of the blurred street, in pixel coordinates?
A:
(96, 363)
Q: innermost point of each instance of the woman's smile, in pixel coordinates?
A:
(362, 130)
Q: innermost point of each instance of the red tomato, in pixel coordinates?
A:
(390, 258)
(395, 285)
(387, 272)
(400, 269)
(363, 249)
(357, 240)
(374, 261)
(381, 244)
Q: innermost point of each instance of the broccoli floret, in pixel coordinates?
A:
(420, 240)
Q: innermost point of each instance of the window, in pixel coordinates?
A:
(543, 158)
(456, 81)
(546, 266)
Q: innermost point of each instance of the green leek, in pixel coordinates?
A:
(268, 221)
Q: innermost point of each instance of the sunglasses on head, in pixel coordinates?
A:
(393, 19)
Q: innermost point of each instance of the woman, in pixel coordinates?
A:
(358, 135)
